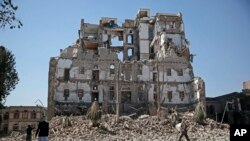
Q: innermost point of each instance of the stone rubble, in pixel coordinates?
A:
(144, 128)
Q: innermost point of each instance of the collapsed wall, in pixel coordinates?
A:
(143, 62)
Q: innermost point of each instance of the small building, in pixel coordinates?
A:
(234, 106)
(17, 118)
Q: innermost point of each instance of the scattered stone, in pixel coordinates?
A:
(144, 128)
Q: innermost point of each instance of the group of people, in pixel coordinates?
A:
(42, 131)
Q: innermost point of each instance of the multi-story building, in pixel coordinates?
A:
(17, 118)
(144, 61)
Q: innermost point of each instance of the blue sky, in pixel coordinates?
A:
(218, 31)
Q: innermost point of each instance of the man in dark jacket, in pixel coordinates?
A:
(29, 133)
(43, 130)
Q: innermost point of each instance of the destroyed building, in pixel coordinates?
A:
(145, 60)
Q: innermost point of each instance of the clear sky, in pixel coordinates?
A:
(218, 30)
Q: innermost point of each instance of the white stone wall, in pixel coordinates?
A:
(144, 46)
(174, 76)
(73, 96)
(175, 93)
(145, 74)
(143, 31)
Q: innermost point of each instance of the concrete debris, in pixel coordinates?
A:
(144, 128)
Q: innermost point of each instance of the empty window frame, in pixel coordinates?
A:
(139, 69)
(33, 114)
(155, 76)
(66, 74)
(25, 114)
(140, 93)
(16, 114)
(95, 75)
(66, 94)
(130, 39)
(172, 25)
(80, 93)
(155, 92)
(111, 93)
(130, 52)
(181, 95)
(126, 97)
(169, 40)
(152, 53)
(116, 42)
(15, 127)
(112, 69)
(169, 72)
(170, 96)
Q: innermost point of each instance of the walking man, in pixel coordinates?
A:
(42, 130)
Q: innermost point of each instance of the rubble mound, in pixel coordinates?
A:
(144, 128)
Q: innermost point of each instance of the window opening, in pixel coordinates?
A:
(66, 74)
(182, 95)
(170, 96)
(112, 69)
(66, 94)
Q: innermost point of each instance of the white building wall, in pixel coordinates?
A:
(144, 46)
(73, 87)
(145, 73)
(175, 94)
(61, 65)
(174, 76)
(143, 31)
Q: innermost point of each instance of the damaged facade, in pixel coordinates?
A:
(17, 118)
(143, 61)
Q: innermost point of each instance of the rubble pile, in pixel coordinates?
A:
(143, 128)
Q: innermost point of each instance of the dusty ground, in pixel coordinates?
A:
(144, 128)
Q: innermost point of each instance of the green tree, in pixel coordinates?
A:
(199, 113)
(94, 114)
(7, 15)
(8, 74)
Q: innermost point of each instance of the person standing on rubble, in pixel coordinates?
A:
(29, 133)
(43, 130)
(182, 128)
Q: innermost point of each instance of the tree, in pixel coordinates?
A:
(94, 114)
(199, 113)
(8, 74)
(7, 15)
